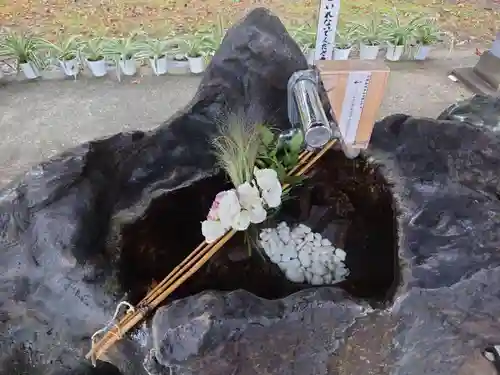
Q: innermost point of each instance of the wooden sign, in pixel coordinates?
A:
(355, 90)
(327, 28)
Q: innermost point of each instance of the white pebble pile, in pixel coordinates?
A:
(304, 256)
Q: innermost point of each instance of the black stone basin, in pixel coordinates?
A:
(346, 200)
(101, 222)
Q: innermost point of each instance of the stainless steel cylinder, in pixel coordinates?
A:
(306, 110)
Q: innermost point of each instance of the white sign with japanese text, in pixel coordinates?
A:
(352, 107)
(327, 28)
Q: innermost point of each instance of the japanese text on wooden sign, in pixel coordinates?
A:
(327, 28)
(354, 102)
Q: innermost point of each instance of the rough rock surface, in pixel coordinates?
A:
(58, 221)
(480, 110)
(57, 285)
(445, 177)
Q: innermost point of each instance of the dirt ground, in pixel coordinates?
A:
(464, 19)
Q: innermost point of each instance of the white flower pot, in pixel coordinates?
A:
(422, 52)
(159, 65)
(394, 53)
(196, 64)
(128, 67)
(70, 67)
(310, 56)
(178, 67)
(341, 53)
(368, 52)
(30, 70)
(98, 68)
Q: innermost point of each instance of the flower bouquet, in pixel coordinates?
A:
(257, 165)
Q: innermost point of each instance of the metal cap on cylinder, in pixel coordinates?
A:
(318, 135)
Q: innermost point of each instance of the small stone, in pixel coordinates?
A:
(300, 246)
(318, 268)
(275, 257)
(341, 272)
(284, 235)
(317, 236)
(282, 225)
(295, 275)
(299, 231)
(293, 263)
(317, 243)
(274, 237)
(340, 254)
(324, 257)
(306, 229)
(305, 259)
(327, 279)
(316, 280)
(326, 242)
(289, 253)
(310, 237)
(307, 248)
(309, 275)
(265, 246)
(273, 248)
(263, 235)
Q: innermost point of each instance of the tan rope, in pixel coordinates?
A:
(114, 331)
(107, 328)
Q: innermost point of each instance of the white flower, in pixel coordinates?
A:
(241, 221)
(257, 214)
(251, 201)
(269, 184)
(229, 207)
(212, 229)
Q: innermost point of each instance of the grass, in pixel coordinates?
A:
(163, 17)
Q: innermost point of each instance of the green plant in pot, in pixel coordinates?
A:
(93, 51)
(369, 35)
(124, 52)
(427, 34)
(346, 35)
(195, 54)
(211, 39)
(157, 51)
(305, 36)
(398, 34)
(24, 49)
(65, 50)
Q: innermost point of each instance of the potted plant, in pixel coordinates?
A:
(369, 36)
(92, 49)
(124, 52)
(211, 39)
(343, 42)
(305, 36)
(156, 50)
(65, 50)
(398, 35)
(195, 55)
(427, 34)
(24, 49)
